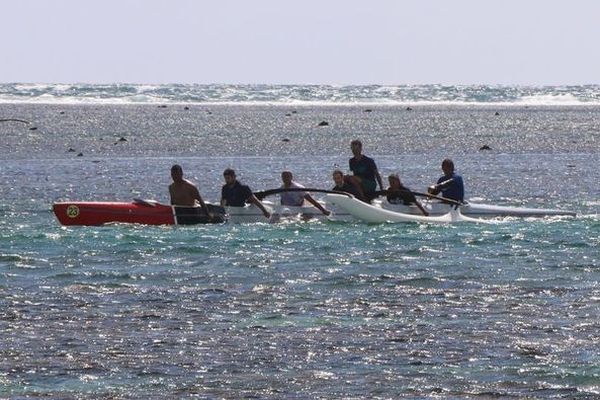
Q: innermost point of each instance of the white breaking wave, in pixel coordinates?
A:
(299, 95)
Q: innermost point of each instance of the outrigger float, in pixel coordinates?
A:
(344, 207)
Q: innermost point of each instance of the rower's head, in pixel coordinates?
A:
(286, 177)
(229, 176)
(356, 147)
(338, 177)
(394, 181)
(448, 166)
(177, 173)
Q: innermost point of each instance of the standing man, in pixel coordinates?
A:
(364, 169)
(234, 194)
(450, 184)
(296, 198)
(184, 192)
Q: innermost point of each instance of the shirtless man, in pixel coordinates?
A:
(184, 192)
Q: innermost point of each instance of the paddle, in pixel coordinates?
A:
(262, 194)
(444, 199)
(431, 196)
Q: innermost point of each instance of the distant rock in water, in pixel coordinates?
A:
(162, 106)
(323, 123)
(368, 110)
(33, 128)
(288, 115)
(285, 140)
(122, 139)
(62, 113)
(80, 155)
(485, 147)
(71, 150)
(186, 108)
(294, 112)
(409, 109)
(497, 113)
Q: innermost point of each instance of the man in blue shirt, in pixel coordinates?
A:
(234, 194)
(451, 184)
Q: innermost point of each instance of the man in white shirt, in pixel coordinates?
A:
(296, 198)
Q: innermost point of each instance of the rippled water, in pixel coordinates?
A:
(299, 310)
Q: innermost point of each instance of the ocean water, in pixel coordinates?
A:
(301, 310)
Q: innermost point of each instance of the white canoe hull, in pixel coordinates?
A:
(374, 214)
(475, 210)
(252, 214)
(339, 207)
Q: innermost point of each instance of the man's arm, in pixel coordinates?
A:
(316, 204)
(171, 194)
(198, 198)
(378, 177)
(252, 199)
(423, 210)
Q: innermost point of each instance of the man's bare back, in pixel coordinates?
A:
(184, 193)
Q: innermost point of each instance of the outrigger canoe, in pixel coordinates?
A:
(344, 207)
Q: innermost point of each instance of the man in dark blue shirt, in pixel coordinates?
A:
(234, 194)
(451, 184)
(364, 169)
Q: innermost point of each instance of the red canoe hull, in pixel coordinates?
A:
(99, 213)
(137, 212)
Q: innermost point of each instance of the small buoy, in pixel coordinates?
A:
(485, 147)
(323, 123)
(570, 165)
(288, 115)
(122, 139)
(409, 109)
(285, 140)
(80, 155)
(294, 112)
(62, 113)
(186, 108)
(497, 113)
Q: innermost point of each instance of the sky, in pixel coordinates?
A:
(336, 42)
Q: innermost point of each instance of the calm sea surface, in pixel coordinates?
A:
(301, 310)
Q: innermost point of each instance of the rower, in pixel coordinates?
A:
(235, 194)
(345, 184)
(450, 184)
(397, 193)
(183, 192)
(296, 198)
